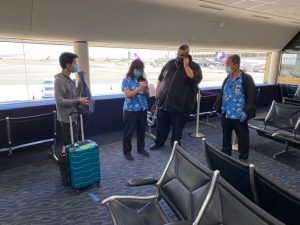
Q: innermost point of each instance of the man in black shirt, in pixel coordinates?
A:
(176, 94)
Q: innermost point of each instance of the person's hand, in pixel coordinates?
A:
(146, 88)
(84, 101)
(81, 73)
(142, 85)
(186, 61)
(219, 115)
(243, 117)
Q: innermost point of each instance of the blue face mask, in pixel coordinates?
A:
(74, 68)
(228, 69)
(137, 73)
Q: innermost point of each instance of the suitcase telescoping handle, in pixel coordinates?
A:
(71, 126)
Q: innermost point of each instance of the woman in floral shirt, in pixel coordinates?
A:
(135, 108)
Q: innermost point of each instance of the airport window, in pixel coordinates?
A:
(290, 65)
(108, 66)
(27, 70)
(212, 65)
(13, 79)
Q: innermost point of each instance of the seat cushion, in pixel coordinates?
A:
(128, 211)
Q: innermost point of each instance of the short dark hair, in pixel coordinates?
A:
(186, 48)
(135, 64)
(236, 59)
(66, 57)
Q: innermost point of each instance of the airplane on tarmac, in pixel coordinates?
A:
(247, 63)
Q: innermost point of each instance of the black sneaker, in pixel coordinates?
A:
(128, 156)
(143, 152)
(154, 147)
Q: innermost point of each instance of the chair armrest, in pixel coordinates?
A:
(289, 129)
(292, 101)
(259, 119)
(287, 137)
(185, 222)
(290, 94)
(254, 127)
(142, 181)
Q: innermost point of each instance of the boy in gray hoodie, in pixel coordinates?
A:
(66, 97)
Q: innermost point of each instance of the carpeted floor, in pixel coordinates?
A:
(31, 193)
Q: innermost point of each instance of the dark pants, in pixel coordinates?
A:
(132, 120)
(62, 159)
(242, 133)
(166, 119)
(66, 134)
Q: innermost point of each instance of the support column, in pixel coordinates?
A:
(81, 49)
(274, 67)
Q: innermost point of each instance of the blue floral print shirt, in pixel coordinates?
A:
(233, 98)
(137, 102)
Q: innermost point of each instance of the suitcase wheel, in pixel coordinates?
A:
(77, 191)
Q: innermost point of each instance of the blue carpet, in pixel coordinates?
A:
(32, 193)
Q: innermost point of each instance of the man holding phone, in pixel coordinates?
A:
(176, 93)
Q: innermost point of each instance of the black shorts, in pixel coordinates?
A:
(66, 134)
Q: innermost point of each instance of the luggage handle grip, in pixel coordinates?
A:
(71, 126)
(81, 143)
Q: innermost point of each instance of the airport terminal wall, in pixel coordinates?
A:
(108, 113)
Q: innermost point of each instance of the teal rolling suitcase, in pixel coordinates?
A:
(83, 161)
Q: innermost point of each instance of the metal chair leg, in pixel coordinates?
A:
(286, 148)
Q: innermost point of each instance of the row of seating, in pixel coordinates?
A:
(207, 105)
(40, 129)
(295, 96)
(195, 194)
(274, 199)
(281, 124)
(291, 101)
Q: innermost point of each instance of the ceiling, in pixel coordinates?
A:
(274, 11)
(204, 24)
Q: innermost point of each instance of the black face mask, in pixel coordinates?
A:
(179, 61)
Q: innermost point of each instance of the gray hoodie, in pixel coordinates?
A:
(66, 97)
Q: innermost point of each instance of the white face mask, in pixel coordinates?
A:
(228, 69)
